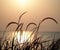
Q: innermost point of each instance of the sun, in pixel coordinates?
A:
(23, 2)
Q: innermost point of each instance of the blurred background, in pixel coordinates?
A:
(10, 10)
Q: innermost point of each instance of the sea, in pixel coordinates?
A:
(43, 35)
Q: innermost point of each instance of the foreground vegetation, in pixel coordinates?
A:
(36, 44)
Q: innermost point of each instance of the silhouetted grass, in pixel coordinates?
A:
(36, 44)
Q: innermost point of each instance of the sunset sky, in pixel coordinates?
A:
(10, 10)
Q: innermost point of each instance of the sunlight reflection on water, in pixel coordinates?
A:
(44, 35)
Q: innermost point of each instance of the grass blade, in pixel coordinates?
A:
(20, 25)
(46, 19)
(21, 16)
(10, 24)
(31, 24)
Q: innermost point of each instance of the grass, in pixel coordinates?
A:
(36, 44)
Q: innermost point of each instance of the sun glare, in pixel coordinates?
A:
(23, 2)
(24, 36)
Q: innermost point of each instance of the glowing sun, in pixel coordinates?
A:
(23, 2)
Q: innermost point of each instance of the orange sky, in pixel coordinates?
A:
(37, 10)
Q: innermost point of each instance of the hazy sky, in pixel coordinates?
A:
(36, 11)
